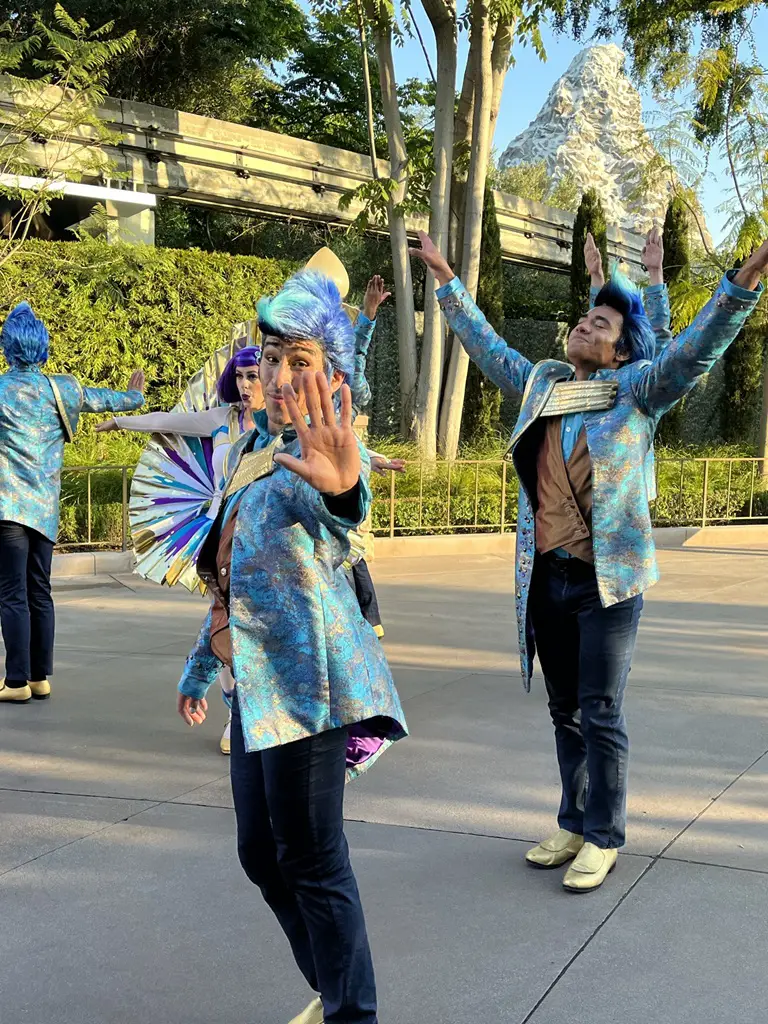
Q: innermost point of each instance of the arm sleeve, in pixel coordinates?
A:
(106, 400)
(318, 503)
(675, 370)
(358, 385)
(656, 302)
(188, 424)
(202, 667)
(498, 361)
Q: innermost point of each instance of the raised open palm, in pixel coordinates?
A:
(330, 457)
(592, 257)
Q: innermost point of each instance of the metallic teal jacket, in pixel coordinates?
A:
(32, 436)
(304, 658)
(620, 439)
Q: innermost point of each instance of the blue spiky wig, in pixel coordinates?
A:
(24, 338)
(637, 337)
(308, 308)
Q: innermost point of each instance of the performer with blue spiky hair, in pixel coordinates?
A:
(38, 413)
(585, 551)
(314, 702)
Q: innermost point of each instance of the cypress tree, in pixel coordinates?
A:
(589, 218)
(677, 270)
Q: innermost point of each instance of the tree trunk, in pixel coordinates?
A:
(442, 15)
(368, 91)
(401, 264)
(453, 399)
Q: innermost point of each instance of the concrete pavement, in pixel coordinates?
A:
(122, 902)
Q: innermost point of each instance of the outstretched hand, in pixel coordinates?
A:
(375, 294)
(330, 457)
(137, 381)
(653, 256)
(594, 261)
(754, 268)
(382, 465)
(431, 256)
(107, 425)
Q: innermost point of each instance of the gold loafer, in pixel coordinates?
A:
(559, 848)
(312, 1015)
(590, 869)
(41, 690)
(15, 694)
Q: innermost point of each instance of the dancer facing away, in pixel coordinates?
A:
(585, 550)
(314, 701)
(38, 414)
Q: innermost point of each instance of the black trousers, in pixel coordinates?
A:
(366, 595)
(289, 804)
(26, 605)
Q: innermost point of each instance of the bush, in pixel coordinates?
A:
(112, 308)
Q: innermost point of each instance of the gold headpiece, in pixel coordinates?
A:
(328, 263)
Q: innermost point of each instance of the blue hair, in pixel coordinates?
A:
(637, 337)
(24, 338)
(308, 308)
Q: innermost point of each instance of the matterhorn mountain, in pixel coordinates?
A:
(591, 126)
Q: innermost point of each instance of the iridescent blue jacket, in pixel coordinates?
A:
(32, 440)
(304, 658)
(620, 439)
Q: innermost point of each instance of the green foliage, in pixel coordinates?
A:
(590, 218)
(531, 181)
(743, 364)
(113, 308)
(482, 399)
(677, 269)
(56, 75)
(204, 56)
(534, 294)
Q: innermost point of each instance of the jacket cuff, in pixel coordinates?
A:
(655, 289)
(453, 286)
(736, 297)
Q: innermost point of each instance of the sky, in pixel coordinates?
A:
(529, 81)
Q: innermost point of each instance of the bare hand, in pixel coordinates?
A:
(102, 428)
(382, 465)
(431, 256)
(330, 457)
(191, 709)
(754, 268)
(374, 296)
(136, 383)
(653, 256)
(594, 261)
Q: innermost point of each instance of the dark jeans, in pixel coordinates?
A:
(585, 652)
(290, 839)
(26, 605)
(366, 594)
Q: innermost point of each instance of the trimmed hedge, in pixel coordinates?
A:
(113, 308)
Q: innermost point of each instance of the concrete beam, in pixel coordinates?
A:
(217, 163)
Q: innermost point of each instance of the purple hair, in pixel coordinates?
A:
(227, 385)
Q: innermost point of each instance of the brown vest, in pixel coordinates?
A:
(564, 514)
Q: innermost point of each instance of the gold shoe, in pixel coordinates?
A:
(312, 1015)
(559, 848)
(15, 694)
(590, 869)
(41, 690)
(224, 744)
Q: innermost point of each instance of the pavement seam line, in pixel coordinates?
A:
(649, 867)
(80, 839)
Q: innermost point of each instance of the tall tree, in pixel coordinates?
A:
(677, 274)
(590, 219)
(482, 404)
(204, 56)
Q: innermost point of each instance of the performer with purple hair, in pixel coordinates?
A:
(38, 413)
(585, 552)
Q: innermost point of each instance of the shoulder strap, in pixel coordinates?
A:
(62, 409)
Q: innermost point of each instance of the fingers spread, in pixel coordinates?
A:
(292, 407)
(346, 406)
(310, 384)
(326, 399)
(294, 465)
